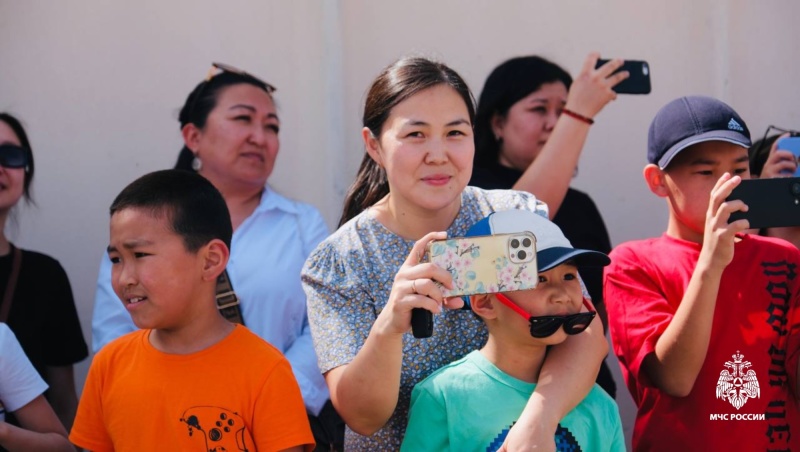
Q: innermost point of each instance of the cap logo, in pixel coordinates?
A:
(733, 125)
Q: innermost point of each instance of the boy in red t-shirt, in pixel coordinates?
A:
(189, 379)
(705, 319)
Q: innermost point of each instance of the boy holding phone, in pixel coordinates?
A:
(189, 379)
(705, 319)
(472, 403)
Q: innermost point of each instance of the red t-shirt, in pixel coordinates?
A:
(742, 398)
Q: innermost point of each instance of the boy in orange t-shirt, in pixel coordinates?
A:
(189, 379)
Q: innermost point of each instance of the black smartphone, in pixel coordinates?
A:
(772, 203)
(638, 82)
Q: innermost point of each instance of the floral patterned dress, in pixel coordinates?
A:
(348, 279)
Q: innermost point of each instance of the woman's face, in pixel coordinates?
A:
(239, 142)
(527, 126)
(12, 180)
(426, 147)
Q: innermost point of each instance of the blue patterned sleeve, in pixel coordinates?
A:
(528, 201)
(340, 310)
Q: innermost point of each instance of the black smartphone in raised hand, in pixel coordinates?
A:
(638, 82)
(771, 203)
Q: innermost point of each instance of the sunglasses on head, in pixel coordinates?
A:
(219, 68)
(546, 325)
(13, 156)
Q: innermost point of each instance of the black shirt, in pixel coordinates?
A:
(43, 314)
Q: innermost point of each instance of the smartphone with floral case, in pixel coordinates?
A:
(487, 264)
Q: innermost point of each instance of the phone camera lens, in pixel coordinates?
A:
(796, 188)
(526, 243)
(522, 255)
(514, 243)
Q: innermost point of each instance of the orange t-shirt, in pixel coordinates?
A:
(239, 394)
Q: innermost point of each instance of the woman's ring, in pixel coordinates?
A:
(414, 286)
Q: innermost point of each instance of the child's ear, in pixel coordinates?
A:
(215, 259)
(483, 305)
(655, 178)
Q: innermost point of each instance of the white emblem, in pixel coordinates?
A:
(738, 386)
(733, 125)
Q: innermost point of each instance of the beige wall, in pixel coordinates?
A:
(99, 85)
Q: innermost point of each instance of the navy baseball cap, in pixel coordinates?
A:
(691, 120)
(552, 247)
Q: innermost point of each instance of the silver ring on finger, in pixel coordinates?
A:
(414, 286)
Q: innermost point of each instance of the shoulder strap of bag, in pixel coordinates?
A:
(8, 297)
(227, 301)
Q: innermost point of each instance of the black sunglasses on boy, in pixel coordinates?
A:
(546, 325)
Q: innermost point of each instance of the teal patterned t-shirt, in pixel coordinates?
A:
(470, 405)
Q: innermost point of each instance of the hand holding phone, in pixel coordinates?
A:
(791, 144)
(638, 81)
(487, 264)
(772, 203)
(480, 265)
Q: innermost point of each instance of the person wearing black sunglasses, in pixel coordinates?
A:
(36, 297)
(472, 403)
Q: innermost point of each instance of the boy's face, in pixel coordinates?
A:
(152, 272)
(558, 293)
(690, 177)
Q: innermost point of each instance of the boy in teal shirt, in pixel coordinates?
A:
(472, 403)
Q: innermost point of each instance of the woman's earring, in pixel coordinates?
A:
(197, 164)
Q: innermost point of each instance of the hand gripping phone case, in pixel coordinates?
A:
(772, 203)
(487, 264)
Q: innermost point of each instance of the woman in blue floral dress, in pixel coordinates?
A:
(364, 280)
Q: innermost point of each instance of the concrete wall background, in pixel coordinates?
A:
(99, 85)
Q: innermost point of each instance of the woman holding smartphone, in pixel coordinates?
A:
(363, 281)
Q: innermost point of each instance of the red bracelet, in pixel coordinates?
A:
(578, 116)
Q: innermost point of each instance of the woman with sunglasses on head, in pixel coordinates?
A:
(41, 315)
(230, 127)
(364, 281)
(532, 122)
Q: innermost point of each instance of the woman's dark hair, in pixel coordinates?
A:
(506, 85)
(399, 81)
(202, 100)
(19, 131)
(759, 152)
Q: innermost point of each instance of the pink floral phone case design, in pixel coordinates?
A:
(487, 264)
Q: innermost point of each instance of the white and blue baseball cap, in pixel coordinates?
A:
(552, 247)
